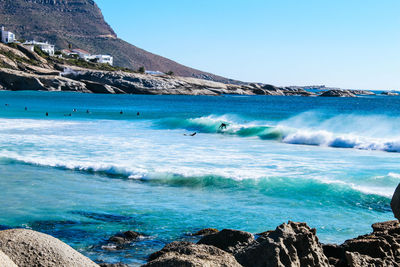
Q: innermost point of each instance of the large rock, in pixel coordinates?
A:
(191, 255)
(395, 203)
(228, 240)
(337, 93)
(380, 248)
(5, 261)
(292, 244)
(28, 248)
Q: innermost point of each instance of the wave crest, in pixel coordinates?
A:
(283, 133)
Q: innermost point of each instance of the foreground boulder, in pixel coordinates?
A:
(5, 261)
(191, 255)
(29, 248)
(292, 244)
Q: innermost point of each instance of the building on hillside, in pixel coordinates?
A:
(85, 55)
(104, 59)
(45, 47)
(154, 72)
(81, 53)
(6, 36)
(68, 52)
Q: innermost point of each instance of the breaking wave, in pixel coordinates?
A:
(274, 185)
(355, 131)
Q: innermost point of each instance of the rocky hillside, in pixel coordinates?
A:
(22, 69)
(81, 23)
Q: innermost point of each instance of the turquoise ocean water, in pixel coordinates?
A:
(330, 162)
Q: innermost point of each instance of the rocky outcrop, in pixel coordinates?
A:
(228, 240)
(15, 80)
(362, 92)
(5, 261)
(292, 244)
(390, 93)
(337, 93)
(380, 248)
(29, 248)
(191, 255)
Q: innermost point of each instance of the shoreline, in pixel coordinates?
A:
(290, 244)
(22, 69)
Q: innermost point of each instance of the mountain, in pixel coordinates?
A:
(81, 24)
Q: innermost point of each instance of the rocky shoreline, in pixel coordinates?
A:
(22, 69)
(290, 244)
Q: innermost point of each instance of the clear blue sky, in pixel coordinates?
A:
(345, 43)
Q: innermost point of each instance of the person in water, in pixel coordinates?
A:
(47, 114)
(26, 108)
(138, 114)
(121, 112)
(223, 126)
(193, 134)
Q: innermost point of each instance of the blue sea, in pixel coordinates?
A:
(86, 172)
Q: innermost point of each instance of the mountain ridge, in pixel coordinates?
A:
(81, 24)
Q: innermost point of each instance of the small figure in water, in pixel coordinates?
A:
(68, 115)
(87, 111)
(193, 134)
(47, 114)
(26, 108)
(223, 126)
(7, 105)
(138, 114)
(121, 112)
(74, 110)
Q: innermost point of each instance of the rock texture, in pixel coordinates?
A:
(28, 248)
(191, 255)
(228, 240)
(5, 261)
(292, 244)
(337, 93)
(380, 248)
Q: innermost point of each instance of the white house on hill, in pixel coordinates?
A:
(6, 36)
(45, 47)
(105, 59)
